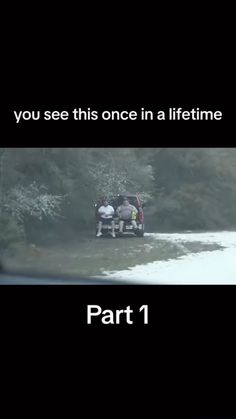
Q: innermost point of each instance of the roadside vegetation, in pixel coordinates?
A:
(48, 194)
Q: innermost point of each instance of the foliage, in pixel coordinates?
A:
(186, 188)
(11, 233)
(32, 200)
(194, 189)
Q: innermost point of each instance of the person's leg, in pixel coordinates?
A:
(133, 222)
(121, 226)
(113, 228)
(99, 233)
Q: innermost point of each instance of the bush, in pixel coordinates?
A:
(11, 233)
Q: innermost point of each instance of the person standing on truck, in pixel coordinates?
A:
(106, 213)
(127, 212)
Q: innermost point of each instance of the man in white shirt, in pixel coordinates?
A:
(106, 213)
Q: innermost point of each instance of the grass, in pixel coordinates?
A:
(90, 256)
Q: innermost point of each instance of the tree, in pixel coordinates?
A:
(186, 188)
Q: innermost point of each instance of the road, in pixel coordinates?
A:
(178, 258)
(205, 267)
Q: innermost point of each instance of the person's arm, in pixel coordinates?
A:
(112, 211)
(100, 211)
(134, 209)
